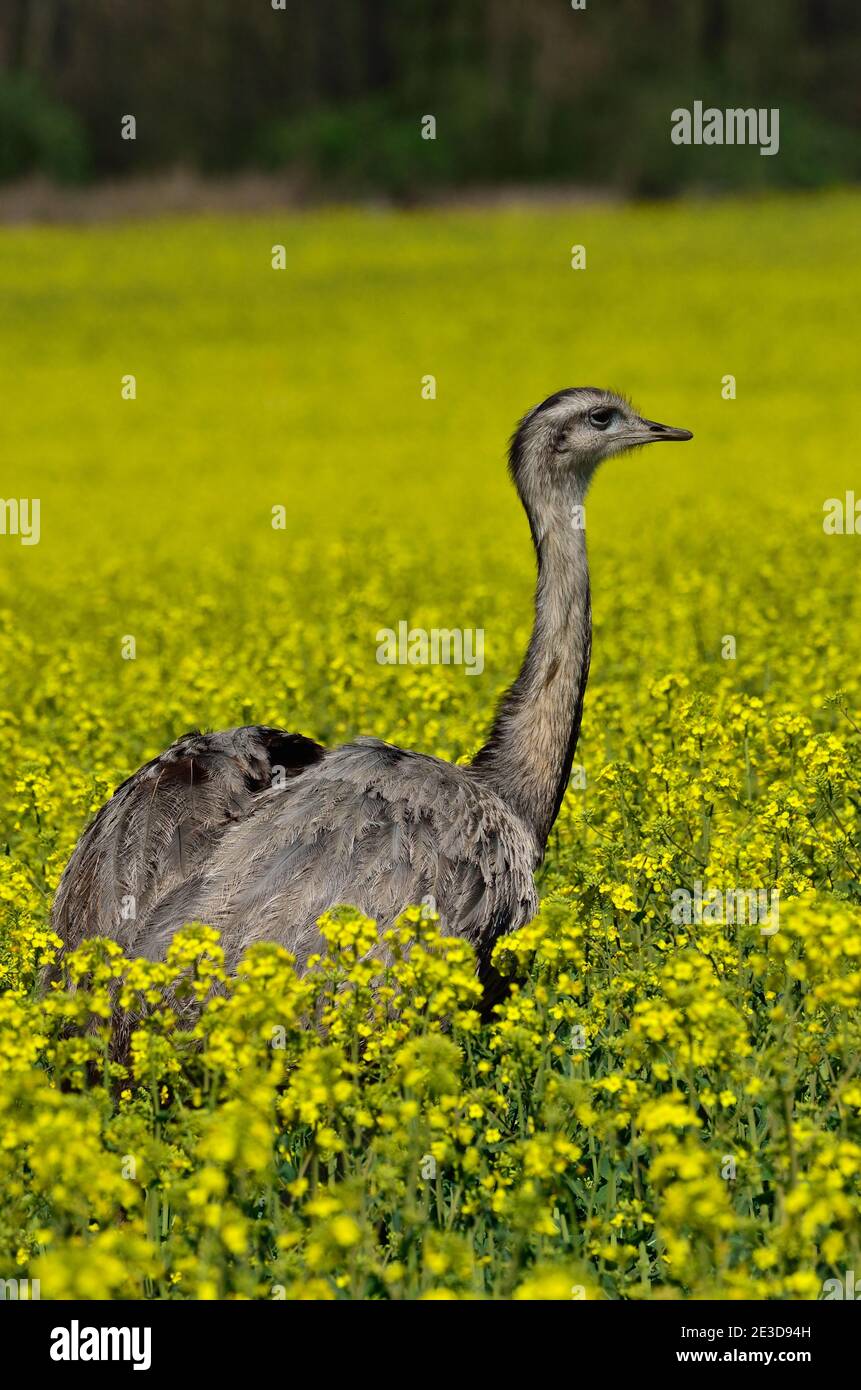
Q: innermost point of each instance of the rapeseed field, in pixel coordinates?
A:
(667, 1104)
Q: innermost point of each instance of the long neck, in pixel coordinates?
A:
(528, 755)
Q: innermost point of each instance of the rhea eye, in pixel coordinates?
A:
(601, 417)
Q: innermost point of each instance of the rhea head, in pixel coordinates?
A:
(558, 445)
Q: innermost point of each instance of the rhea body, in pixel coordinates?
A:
(257, 831)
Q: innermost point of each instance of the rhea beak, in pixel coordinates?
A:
(652, 432)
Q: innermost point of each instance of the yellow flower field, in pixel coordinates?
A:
(667, 1104)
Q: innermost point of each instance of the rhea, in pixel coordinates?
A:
(257, 832)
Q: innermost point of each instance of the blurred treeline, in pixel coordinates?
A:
(522, 90)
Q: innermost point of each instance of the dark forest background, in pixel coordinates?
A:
(333, 90)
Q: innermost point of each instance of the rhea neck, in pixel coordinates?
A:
(529, 752)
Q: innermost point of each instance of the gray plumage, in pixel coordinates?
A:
(257, 832)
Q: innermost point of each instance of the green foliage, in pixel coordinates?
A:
(37, 133)
(532, 92)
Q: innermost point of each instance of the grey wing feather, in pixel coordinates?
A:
(372, 826)
(164, 823)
